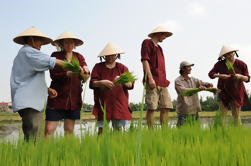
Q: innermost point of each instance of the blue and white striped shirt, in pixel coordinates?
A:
(28, 86)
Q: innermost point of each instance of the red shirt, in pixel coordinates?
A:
(69, 89)
(231, 89)
(155, 57)
(115, 99)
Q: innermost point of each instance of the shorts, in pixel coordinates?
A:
(56, 115)
(158, 97)
(116, 123)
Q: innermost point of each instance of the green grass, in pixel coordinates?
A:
(188, 145)
(125, 78)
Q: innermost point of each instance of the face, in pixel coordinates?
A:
(229, 56)
(68, 45)
(110, 59)
(35, 42)
(187, 69)
(161, 36)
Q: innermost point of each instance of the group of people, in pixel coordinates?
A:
(29, 91)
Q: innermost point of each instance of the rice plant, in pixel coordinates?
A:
(188, 145)
(192, 91)
(125, 78)
(230, 67)
(74, 67)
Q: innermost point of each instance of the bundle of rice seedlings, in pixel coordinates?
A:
(193, 91)
(125, 78)
(230, 67)
(72, 66)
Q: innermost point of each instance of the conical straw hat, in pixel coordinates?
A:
(110, 49)
(226, 49)
(68, 35)
(32, 31)
(160, 29)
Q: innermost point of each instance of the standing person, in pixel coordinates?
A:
(152, 58)
(188, 106)
(113, 97)
(28, 87)
(233, 94)
(67, 105)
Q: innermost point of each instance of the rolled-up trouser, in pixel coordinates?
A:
(183, 118)
(31, 119)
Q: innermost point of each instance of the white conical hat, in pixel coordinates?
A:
(226, 49)
(68, 35)
(110, 49)
(32, 31)
(160, 29)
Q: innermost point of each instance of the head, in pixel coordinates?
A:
(67, 45)
(230, 56)
(34, 41)
(160, 36)
(109, 59)
(185, 68)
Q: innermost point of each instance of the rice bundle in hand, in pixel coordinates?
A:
(72, 66)
(125, 78)
(230, 67)
(193, 91)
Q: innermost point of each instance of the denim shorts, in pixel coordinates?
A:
(56, 115)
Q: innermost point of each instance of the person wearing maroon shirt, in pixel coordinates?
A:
(68, 85)
(233, 94)
(113, 97)
(152, 58)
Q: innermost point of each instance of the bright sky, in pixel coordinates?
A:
(200, 29)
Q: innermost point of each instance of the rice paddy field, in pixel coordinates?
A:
(190, 145)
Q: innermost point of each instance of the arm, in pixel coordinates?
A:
(214, 73)
(149, 76)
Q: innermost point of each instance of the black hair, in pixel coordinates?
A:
(101, 58)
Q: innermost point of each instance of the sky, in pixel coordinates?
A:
(200, 28)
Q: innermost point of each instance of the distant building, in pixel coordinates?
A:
(5, 107)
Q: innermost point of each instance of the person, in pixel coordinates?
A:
(152, 58)
(114, 98)
(187, 107)
(28, 87)
(233, 94)
(67, 105)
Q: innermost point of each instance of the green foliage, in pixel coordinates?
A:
(230, 67)
(72, 66)
(189, 145)
(193, 91)
(125, 78)
(209, 104)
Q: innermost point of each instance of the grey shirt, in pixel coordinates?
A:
(28, 86)
(187, 104)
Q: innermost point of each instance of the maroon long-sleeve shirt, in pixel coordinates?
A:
(69, 89)
(232, 90)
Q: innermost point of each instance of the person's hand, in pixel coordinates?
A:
(69, 73)
(106, 83)
(209, 85)
(224, 76)
(202, 87)
(238, 76)
(128, 84)
(151, 83)
(52, 93)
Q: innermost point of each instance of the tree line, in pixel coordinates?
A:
(208, 104)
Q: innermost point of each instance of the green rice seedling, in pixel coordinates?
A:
(72, 66)
(230, 67)
(193, 91)
(125, 78)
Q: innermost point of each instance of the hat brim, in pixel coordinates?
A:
(228, 53)
(168, 34)
(77, 42)
(111, 54)
(21, 39)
